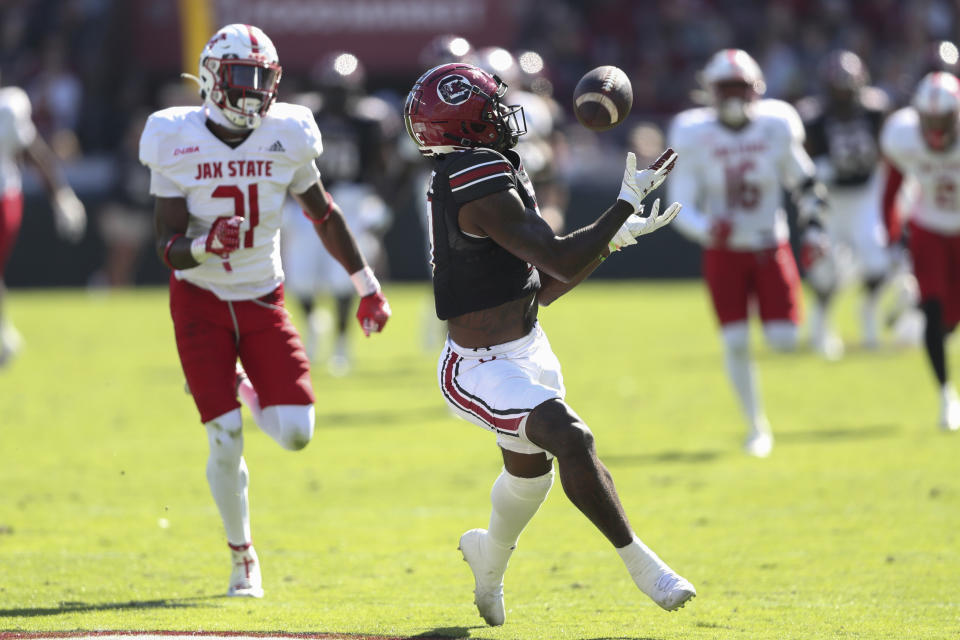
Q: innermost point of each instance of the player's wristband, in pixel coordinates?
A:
(198, 249)
(365, 282)
(166, 249)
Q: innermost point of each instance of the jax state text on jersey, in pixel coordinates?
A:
(235, 169)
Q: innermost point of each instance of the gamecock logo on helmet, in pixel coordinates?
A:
(454, 90)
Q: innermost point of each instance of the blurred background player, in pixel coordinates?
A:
(542, 146)
(495, 262)
(359, 138)
(125, 220)
(843, 125)
(220, 173)
(920, 142)
(737, 157)
(19, 140)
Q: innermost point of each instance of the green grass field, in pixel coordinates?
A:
(849, 530)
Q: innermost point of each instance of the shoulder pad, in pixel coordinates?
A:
(684, 126)
(901, 132)
(161, 130)
(874, 99)
(460, 160)
(298, 121)
(810, 108)
(15, 101)
(783, 114)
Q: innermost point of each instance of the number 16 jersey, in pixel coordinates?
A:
(739, 174)
(187, 161)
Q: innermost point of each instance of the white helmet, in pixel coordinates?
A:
(937, 101)
(239, 73)
(731, 67)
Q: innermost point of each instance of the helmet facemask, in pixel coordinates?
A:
(734, 100)
(939, 130)
(243, 90)
(507, 119)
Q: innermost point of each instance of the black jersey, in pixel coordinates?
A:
(352, 145)
(848, 141)
(471, 273)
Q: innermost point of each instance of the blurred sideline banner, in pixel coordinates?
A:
(387, 35)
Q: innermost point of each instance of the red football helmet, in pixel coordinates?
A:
(458, 106)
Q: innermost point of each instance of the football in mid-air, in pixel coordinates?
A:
(603, 98)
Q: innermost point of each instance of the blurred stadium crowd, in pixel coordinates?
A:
(78, 60)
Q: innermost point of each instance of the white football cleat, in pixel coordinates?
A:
(949, 409)
(828, 344)
(759, 442)
(668, 589)
(488, 582)
(245, 580)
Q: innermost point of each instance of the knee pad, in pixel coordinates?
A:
(781, 335)
(225, 435)
(291, 425)
(736, 337)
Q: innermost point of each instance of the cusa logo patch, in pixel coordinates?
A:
(454, 89)
(184, 150)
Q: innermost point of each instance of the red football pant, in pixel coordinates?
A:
(11, 214)
(768, 276)
(211, 333)
(936, 263)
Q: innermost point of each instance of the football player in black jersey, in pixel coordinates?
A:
(494, 262)
(843, 124)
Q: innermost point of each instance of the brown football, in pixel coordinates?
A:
(603, 98)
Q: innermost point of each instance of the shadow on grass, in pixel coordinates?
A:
(83, 607)
(663, 457)
(857, 433)
(442, 633)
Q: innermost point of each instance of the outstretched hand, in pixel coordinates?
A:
(637, 185)
(636, 226)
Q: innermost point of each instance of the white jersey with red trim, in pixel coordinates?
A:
(738, 174)
(934, 176)
(16, 133)
(187, 161)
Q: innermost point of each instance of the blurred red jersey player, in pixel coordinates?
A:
(19, 137)
(920, 143)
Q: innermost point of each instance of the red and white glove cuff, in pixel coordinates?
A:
(365, 282)
(198, 249)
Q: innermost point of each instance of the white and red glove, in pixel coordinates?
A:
(637, 185)
(374, 310)
(69, 215)
(222, 240)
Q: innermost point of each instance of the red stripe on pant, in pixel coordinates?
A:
(470, 406)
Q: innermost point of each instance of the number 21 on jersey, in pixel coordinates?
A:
(241, 206)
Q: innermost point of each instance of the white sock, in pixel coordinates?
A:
(515, 500)
(740, 371)
(228, 476)
(644, 565)
(818, 321)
